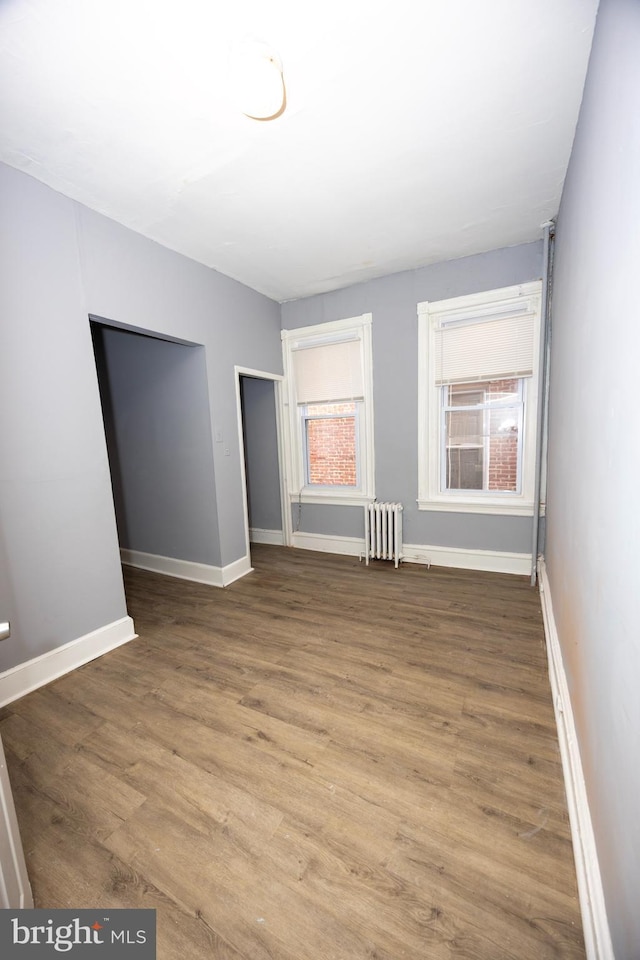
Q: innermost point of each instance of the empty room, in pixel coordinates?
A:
(319, 592)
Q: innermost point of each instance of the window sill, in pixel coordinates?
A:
(341, 499)
(496, 508)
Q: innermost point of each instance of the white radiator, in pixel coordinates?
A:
(383, 532)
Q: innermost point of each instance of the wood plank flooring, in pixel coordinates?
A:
(323, 761)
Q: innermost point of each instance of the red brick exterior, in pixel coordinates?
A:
(331, 446)
(503, 447)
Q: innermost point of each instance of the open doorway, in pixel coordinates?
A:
(155, 405)
(267, 516)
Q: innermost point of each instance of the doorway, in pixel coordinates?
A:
(267, 516)
(155, 405)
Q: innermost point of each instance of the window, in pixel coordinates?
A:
(478, 389)
(329, 435)
(481, 448)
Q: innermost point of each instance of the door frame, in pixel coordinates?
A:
(277, 380)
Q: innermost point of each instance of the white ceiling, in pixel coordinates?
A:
(415, 130)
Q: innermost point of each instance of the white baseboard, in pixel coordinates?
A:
(491, 560)
(594, 914)
(187, 569)
(325, 543)
(494, 561)
(233, 571)
(20, 680)
(274, 537)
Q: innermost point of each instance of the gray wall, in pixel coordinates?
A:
(156, 409)
(60, 262)
(8, 608)
(393, 302)
(261, 447)
(593, 521)
(56, 508)
(138, 283)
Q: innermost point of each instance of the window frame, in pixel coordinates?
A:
(431, 314)
(299, 490)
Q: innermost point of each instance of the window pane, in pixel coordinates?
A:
(502, 391)
(465, 428)
(471, 394)
(329, 409)
(331, 445)
(503, 436)
(464, 468)
(482, 444)
(465, 394)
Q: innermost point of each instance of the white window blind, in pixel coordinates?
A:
(495, 348)
(328, 372)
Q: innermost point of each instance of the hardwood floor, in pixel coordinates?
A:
(323, 761)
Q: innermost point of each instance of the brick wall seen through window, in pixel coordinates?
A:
(503, 443)
(331, 444)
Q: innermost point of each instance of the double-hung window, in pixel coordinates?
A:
(330, 411)
(478, 393)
